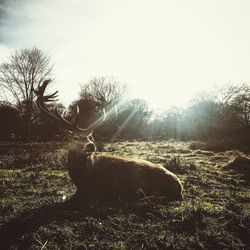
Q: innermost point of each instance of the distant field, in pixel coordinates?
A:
(37, 210)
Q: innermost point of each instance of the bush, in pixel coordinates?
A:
(11, 125)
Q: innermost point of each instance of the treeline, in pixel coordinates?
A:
(222, 114)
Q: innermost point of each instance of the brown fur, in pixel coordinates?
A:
(102, 177)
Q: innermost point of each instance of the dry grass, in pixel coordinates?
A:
(240, 163)
(218, 145)
(38, 209)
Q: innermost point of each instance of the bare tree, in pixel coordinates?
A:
(103, 92)
(101, 96)
(240, 105)
(25, 70)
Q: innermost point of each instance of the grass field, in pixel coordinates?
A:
(38, 209)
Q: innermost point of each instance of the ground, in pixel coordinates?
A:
(38, 209)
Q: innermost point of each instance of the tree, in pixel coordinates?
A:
(45, 128)
(87, 112)
(19, 77)
(169, 124)
(241, 105)
(22, 74)
(101, 94)
(104, 92)
(133, 119)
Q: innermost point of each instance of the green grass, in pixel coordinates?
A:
(38, 209)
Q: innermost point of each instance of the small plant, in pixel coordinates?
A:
(174, 164)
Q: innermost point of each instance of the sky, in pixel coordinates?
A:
(164, 50)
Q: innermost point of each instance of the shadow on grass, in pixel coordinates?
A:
(31, 220)
(73, 210)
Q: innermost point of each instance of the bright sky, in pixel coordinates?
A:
(164, 50)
